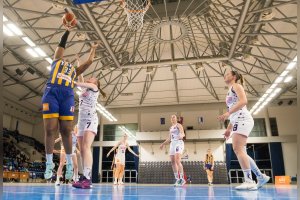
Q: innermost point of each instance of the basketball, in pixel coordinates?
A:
(69, 20)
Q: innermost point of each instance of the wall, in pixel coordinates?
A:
(196, 151)
(289, 151)
(24, 128)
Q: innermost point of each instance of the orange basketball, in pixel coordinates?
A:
(69, 20)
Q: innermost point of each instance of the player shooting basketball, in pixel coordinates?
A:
(58, 101)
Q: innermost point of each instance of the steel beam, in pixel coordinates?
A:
(101, 34)
(239, 28)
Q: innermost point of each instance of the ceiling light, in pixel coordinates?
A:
(14, 29)
(256, 112)
(261, 99)
(49, 60)
(279, 79)
(28, 41)
(269, 91)
(264, 96)
(40, 52)
(49, 68)
(268, 99)
(5, 19)
(291, 65)
(273, 95)
(277, 90)
(284, 73)
(7, 32)
(273, 86)
(288, 79)
(295, 59)
(32, 53)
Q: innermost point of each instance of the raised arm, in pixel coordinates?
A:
(60, 49)
(88, 62)
(87, 85)
(112, 149)
(131, 151)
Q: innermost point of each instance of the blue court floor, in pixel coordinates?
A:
(20, 191)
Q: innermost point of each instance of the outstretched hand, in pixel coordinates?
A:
(94, 45)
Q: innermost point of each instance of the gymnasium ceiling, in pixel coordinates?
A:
(178, 57)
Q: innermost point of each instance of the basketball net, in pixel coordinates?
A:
(135, 10)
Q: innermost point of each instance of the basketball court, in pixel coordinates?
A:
(179, 90)
(140, 191)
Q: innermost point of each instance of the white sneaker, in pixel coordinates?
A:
(57, 183)
(49, 170)
(247, 185)
(210, 184)
(69, 171)
(120, 183)
(262, 180)
(176, 183)
(115, 183)
(182, 182)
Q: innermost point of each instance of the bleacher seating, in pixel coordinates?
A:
(161, 172)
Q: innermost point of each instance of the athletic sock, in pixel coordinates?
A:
(69, 158)
(176, 175)
(247, 175)
(254, 168)
(49, 158)
(181, 175)
(87, 172)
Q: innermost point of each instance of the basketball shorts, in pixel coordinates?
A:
(176, 146)
(58, 102)
(243, 125)
(208, 166)
(87, 123)
(120, 159)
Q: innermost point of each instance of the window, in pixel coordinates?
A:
(259, 129)
(274, 128)
(112, 132)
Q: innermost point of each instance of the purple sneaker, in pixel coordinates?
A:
(84, 183)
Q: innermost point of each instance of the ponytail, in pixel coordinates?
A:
(239, 77)
(101, 91)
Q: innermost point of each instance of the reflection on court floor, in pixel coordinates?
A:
(143, 192)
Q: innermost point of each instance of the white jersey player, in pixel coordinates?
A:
(119, 158)
(87, 126)
(240, 125)
(176, 149)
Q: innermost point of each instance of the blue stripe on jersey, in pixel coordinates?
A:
(60, 71)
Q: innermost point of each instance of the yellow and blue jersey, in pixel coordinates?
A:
(62, 74)
(58, 98)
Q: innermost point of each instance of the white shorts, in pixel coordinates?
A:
(120, 160)
(243, 126)
(176, 146)
(87, 124)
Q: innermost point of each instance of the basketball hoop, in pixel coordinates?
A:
(135, 10)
